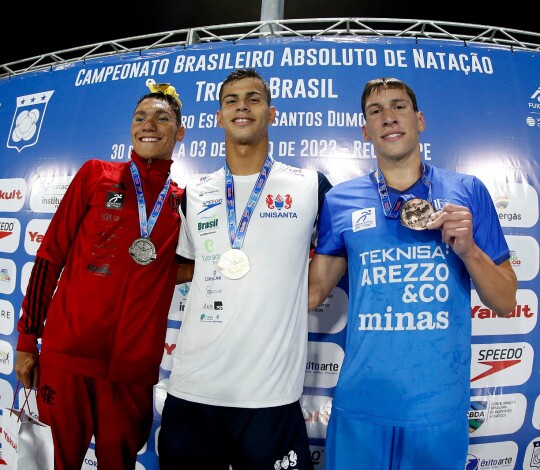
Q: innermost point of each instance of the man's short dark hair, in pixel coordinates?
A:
(173, 103)
(387, 83)
(240, 74)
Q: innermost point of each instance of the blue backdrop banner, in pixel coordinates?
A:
(482, 108)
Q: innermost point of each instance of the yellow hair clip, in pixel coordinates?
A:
(165, 88)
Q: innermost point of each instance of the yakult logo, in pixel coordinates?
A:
(522, 319)
(12, 194)
(35, 230)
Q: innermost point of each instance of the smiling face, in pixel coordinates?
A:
(245, 113)
(154, 130)
(392, 124)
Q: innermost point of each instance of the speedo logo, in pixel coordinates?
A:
(501, 364)
(210, 204)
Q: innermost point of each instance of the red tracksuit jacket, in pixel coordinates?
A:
(106, 315)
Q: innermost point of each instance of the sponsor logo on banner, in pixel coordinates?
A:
(496, 414)
(47, 192)
(524, 256)
(516, 203)
(27, 120)
(522, 320)
(10, 234)
(492, 456)
(331, 315)
(12, 194)
(532, 455)
(7, 317)
(318, 458)
(533, 120)
(178, 303)
(324, 362)
(6, 358)
(35, 230)
(500, 364)
(8, 276)
(477, 414)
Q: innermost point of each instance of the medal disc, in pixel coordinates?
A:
(143, 251)
(416, 213)
(234, 264)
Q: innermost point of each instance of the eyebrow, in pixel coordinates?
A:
(157, 110)
(392, 101)
(248, 94)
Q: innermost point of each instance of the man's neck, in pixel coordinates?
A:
(248, 161)
(401, 175)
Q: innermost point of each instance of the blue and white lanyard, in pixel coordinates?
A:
(238, 233)
(392, 211)
(147, 226)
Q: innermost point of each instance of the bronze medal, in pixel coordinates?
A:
(416, 213)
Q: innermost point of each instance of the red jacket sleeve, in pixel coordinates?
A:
(39, 292)
(51, 258)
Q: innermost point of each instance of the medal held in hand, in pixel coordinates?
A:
(416, 213)
(143, 251)
(234, 264)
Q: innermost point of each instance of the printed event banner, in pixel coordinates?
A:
(482, 108)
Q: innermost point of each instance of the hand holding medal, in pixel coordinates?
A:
(414, 212)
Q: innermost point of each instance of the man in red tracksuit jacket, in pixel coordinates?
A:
(100, 292)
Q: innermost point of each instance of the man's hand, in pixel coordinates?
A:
(27, 369)
(455, 223)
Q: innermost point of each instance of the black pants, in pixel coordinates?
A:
(195, 436)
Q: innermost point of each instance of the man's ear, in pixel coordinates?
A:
(271, 114)
(180, 133)
(218, 117)
(365, 134)
(421, 121)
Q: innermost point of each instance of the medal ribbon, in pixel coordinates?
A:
(238, 233)
(147, 226)
(393, 211)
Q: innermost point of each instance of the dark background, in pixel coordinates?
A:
(29, 30)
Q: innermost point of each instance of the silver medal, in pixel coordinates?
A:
(416, 213)
(143, 251)
(234, 264)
